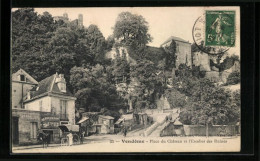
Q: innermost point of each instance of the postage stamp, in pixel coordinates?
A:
(220, 28)
(214, 31)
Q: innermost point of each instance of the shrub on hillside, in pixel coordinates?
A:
(233, 78)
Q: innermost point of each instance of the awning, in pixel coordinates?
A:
(177, 122)
(119, 121)
(82, 120)
(67, 128)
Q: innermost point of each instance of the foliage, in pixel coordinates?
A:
(170, 59)
(30, 34)
(233, 78)
(93, 90)
(132, 31)
(120, 69)
(208, 104)
(108, 112)
(39, 42)
(149, 82)
(175, 98)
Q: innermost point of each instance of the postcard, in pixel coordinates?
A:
(125, 79)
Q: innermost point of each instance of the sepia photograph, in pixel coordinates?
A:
(125, 79)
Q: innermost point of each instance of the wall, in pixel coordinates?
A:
(216, 130)
(24, 124)
(183, 52)
(35, 105)
(202, 60)
(194, 130)
(55, 104)
(17, 93)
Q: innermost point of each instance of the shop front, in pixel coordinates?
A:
(50, 125)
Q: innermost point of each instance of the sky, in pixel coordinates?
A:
(163, 21)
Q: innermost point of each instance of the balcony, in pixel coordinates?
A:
(64, 117)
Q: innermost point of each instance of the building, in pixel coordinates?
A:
(77, 22)
(183, 50)
(45, 106)
(54, 101)
(107, 124)
(23, 121)
(22, 82)
(64, 18)
(94, 123)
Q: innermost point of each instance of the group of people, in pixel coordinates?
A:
(71, 138)
(44, 138)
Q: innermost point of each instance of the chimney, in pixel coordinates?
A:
(61, 75)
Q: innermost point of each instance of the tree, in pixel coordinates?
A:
(211, 105)
(175, 98)
(121, 69)
(93, 90)
(170, 58)
(132, 31)
(149, 85)
(30, 35)
(97, 43)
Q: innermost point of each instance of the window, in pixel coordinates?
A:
(40, 105)
(63, 108)
(33, 130)
(22, 78)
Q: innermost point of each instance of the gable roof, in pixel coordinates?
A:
(106, 117)
(46, 86)
(29, 79)
(175, 39)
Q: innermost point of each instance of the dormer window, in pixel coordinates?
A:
(60, 80)
(22, 78)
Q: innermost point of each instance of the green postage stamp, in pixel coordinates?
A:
(220, 28)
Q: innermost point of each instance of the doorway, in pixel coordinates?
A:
(15, 130)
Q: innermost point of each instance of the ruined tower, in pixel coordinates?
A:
(65, 15)
(80, 20)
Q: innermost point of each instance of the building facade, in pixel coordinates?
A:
(183, 50)
(45, 106)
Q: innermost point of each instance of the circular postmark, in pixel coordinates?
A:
(211, 35)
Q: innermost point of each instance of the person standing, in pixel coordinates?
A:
(82, 137)
(70, 136)
(125, 131)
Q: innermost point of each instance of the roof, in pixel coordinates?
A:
(29, 79)
(119, 121)
(175, 39)
(127, 117)
(82, 120)
(67, 128)
(106, 117)
(46, 86)
(177, 122)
